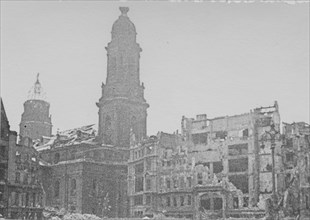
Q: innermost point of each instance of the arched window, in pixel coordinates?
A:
(56, 188)
(199, 178)
(56, 158)
(108, 122)
(73, 187)
(134, 126)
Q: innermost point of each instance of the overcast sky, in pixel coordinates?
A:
(214, 58)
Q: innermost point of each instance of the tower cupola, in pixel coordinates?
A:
(36, 120)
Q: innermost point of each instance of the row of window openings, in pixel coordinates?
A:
(170, 163)
(202, 138)
(181, 183)
(24, 199)
(73, 187)
(139, 168)
(89, 155)
(18, 158)
(182, 201)
(25, 179)
(140, 153)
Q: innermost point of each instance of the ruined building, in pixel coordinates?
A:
(36, 120)
(296, 169)
(233, 146)
(217, 167)
(21, 190)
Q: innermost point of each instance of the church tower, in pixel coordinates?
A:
(36, 120)
(122, 107)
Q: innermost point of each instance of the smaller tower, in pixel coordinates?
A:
(36, 120)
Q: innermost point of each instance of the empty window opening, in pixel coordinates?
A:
(175, 201)
(201, 138)
(168, 183)
(245, 133)
(205, 204)
(168, 201)
(56, 158)
(56, 188)
(238, 149)
(221, 134)
(238, 165)
(148, 200)
(218, 203)
(182, 200)
(289, 157)
(199, 178)
(241, 182)
(189, 182)
(218, 167)
(139, 184)
(189, 200)
(138, 200)
(236, 203)
(139, 168)
(73, 187)
(148, 184)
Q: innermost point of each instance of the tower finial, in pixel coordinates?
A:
(38, 74)
(124, 10)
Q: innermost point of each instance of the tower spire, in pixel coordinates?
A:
(36, 92)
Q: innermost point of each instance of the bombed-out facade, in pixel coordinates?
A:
(20, 184)
(214, 167)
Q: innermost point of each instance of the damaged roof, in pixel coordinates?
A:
(75, 136)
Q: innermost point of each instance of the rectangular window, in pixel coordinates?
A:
(148, 165)
(240, 182)
(218, 203)
(175, 201)
(205, 203)
(175, 183)
(189, 200)
(221, 134)
(138, 200)
(168, 201)
(182, 182)
(168, 183)
(148, 200)
(17, 177)
(139, 168)
(201, 138)
(199, 178)
(189, 182)
(238, 149)
(236, 203)
(217, 167)
(289, 157)
(182, 200)
(238, 165)
(148, 184)
(139, 184)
